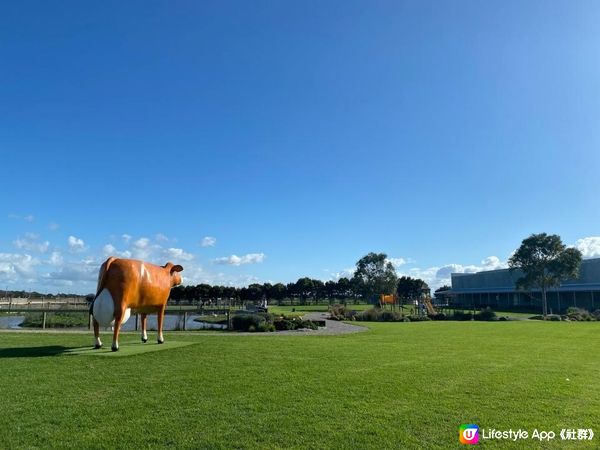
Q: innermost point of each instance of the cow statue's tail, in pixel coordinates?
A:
(103, 306)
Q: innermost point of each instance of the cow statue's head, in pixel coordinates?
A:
(174, 270)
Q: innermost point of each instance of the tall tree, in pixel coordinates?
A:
(304, 287)
(410, 288)
(278, 292)
(375, 275)
(544, 261)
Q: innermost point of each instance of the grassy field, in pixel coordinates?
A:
(290, 310)
(399, 385)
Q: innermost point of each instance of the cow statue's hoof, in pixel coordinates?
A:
(97, 346)
(144, 340)
(114, 348)
(161, 341)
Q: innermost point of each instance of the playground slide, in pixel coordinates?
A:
(430, 309)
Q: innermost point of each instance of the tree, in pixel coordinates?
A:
(344, 288)
(544, 262)
(375, 275)
(278, 292)
(410, 288)
(304, 287)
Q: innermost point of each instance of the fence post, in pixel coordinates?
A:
(136, 321)
(184, 320)
(44, 321)
(90, 319)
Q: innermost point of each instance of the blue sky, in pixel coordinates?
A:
(298, 135)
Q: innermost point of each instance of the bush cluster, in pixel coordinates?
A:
(265, 322)
(417, 318)
(379, 315)
(460, 315)
(582, 315)
(341, 312)
(251, 322)
(486, 314)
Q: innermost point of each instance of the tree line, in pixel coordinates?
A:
(374, 275)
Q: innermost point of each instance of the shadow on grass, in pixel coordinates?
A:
(33, 352)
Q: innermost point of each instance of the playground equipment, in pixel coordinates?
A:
(430, 309)
(385, 299)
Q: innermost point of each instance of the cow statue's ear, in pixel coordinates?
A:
(176, 268)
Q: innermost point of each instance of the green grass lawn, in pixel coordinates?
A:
(399, 385)
(299, 310)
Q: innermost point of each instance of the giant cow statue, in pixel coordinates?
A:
(126, 284)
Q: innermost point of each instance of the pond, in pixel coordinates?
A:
(8, 322)
(171, 322)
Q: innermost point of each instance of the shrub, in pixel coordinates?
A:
(580, 314)
(389, 316)
(243, 322)
(368, 315)
(417, 318)
(309, 324)
(486, 314)
(293, 323)
(552, 317)
(265, 327)
(341, 312)
(379, 315)
(460, 315)
(285, 324)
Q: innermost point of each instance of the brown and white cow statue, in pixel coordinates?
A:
(129, 284)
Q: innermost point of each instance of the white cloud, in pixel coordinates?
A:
(31, 242)
(437, 276)
(126, 238)
(28, 218)
(18, 267)
(144, 249)
(56, 259)
(161, 238)
(76, 244)
(53, 226)
(178, 254)
(75, 273)
(344, 273)
(589, 246)
(142, 243)
(234, 260)
(397, 262)
(111, 250)
(208, 241)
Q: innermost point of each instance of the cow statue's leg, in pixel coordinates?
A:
(144, 332)
(97, 341)
(117, 328)
(159, 317)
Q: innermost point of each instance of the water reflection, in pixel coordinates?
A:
(171, 322)
(11, 321)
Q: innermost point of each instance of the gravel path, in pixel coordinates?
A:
(333, 326)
